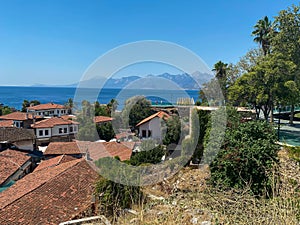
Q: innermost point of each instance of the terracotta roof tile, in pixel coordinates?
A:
(13, 134)
(50, 196)
(10, 162)
(46, 106)
(6, 123)
(51, 122)
(62, 148)
(68, 117)
(99, 150)
(21, 116)
(54, 161)
(102, 119)
(160, 114)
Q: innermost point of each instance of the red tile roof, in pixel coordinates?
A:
(160, 114)
(54, 161)
(49, 196)
(97, 150)
(46, 106)
(6, 123)
(62, 148)
(68, 117)
(21, 116)
(51, 122)
(102, 119)
(14, 134)
(10, 162)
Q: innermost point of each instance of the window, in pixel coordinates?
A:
(75, 128)
(65, 130)
(149, 133)
(144, 133)
(71, 129)
(41, 133)
(60, 130)
(46, 132)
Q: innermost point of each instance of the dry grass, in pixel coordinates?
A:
(188, 200)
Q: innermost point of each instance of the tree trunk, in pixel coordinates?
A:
(292, 114)
(271, 114)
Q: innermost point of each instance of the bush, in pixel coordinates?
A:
(114, 197)
(150, 156)
(247, 157)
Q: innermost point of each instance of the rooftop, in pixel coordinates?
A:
(54, 161)
(10, 162)
(21, 116)
(13, 134)
(51, 122)
(102, 119)
(160, 114)
(6, 123)
(62, 148)
(46, 106)
(49, 196)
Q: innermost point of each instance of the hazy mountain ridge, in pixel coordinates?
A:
(185, 81)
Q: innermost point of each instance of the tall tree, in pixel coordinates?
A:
(263, 33)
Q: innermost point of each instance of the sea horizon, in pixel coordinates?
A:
(13, 96)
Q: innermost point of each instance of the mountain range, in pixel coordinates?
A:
(184, 81)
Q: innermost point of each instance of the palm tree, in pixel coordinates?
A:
(70, 105)
(220, 69)
(263, 33)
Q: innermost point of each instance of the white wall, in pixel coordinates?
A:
(43, 136)
(154, 126)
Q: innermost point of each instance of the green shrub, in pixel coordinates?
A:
(246, 158)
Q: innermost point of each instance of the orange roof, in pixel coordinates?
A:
(49, 196)
(46, 106)
(97, 150)
(10, 162)
(54, 161)
(68, 117)
(21, 116)
(102, 119)
(61, 148)
(6, 123)
(160, 114)
(51, 122)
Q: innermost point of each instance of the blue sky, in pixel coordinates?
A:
(54, 41)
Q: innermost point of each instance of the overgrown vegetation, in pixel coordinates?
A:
(247, 158)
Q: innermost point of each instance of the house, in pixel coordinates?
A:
(20, 138)
(48, 110)
(20, 119)
(151, 126)
(54, 129)
(98, 150)
(63, 148)
(13, 166)
(51, 195)
(102, 119)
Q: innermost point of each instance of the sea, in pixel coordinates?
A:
(14, 96)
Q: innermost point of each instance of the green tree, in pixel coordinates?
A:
(173, 130)
(70, 105)
(264, 31)
(135, 110)
(291, 96)
(106, 131)
(220, 69)
(152, 156)
(87, 129)
(26, 104)
(246, 158)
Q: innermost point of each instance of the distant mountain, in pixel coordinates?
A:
(185, 81)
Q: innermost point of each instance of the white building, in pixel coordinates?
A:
(151, 126)
(48, 110)
(55, 129)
